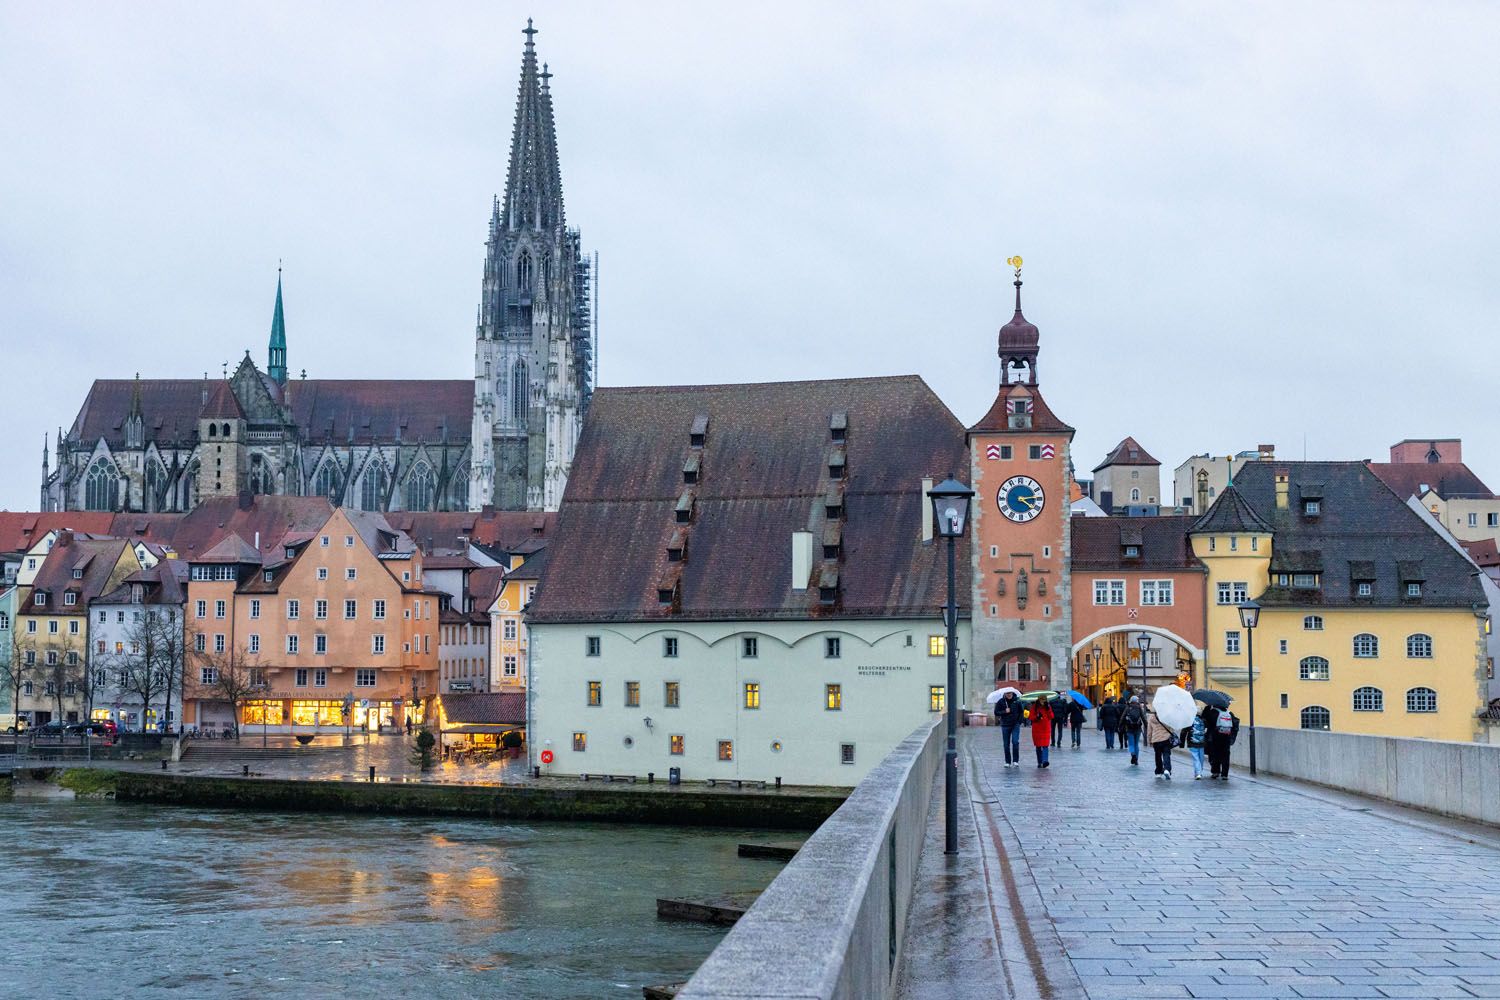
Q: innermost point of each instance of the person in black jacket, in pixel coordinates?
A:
(1059, 719)
(1009, 713)
(1109, 721)
(1075, 722)
(1221, 736)
(1132, 721)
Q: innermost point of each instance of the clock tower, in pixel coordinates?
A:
(1019, 455)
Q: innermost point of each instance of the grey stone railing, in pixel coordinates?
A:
(1454, 779)
(831, 924)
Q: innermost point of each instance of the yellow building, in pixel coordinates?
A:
(1370, 622)
(509, 639)
(52, 624)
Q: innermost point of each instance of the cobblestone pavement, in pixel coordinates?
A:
(1273, 889)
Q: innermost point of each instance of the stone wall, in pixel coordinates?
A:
(1454, 779)
(831, 924)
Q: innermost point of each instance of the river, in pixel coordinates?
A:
(106, 899)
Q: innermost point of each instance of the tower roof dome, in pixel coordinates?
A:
(1020, 334)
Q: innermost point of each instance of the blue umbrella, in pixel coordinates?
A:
(1082, 700)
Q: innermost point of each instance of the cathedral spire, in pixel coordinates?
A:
(533, 187)
(276, 363)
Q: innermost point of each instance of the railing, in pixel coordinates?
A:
(1454, 779)
(831, 924)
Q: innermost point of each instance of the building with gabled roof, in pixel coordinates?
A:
(1434, 472)
(743, 584)
(1128, 476)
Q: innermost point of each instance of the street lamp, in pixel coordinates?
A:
(1143, 641)
(1250, 617)
(1097, 654)
(950, 517)
(963, 669)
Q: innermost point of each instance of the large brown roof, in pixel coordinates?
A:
(169, 409)
(762, 473)
(20, 530)
(484, 709)
(506, 530)
(1099, 543)
(1447, 479)
(271, 517)
(96, 557)
(1484, 551)
(383, 409)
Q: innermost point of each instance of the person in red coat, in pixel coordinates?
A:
(1041, 730)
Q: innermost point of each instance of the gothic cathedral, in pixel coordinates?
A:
(533, 352)
(1021, 553)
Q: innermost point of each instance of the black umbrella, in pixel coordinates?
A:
(1212, 698)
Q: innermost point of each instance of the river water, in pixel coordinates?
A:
(106, 899)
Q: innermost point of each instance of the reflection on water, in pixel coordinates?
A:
(115, 899)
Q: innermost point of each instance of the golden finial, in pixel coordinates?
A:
(1015, 262)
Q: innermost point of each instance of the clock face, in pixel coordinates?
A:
(1020, 498)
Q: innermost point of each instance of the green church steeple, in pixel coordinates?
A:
(276, 366)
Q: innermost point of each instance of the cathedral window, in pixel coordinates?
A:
(523, 272)
(373, 486)
(100, 486)
(328, 482)
(518, 390)
(421, 486)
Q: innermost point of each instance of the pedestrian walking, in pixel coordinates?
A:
(1195, 738)
(1042, 717)
(1059, 723)
(1109, 721)
(1132, 721)
(1162, 740)
(1223, 729)
(1009, 713)
(1075, 722)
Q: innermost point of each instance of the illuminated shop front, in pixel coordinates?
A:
(262, 713)
(316, 714)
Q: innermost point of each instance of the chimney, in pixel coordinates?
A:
(926, 509)
(802, 559)
(1266, 450)
(64, 539)
(257, 541)
(1283, 488)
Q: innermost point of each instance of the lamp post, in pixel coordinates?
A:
(1250, 617)
(1143, 642)
(950, 518)
(1097, 652)
(963, 669)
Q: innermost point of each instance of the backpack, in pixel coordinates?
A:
(1200, 732)
(1225, 724)
(1134, 717)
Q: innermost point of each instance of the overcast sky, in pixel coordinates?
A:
(1242, 223)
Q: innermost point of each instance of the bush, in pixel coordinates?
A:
(87, 781)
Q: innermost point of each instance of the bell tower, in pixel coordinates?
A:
(1022, 557)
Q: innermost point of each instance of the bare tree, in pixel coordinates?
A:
(151, 665)
(227, 677)
(61, 674)
(15, 673)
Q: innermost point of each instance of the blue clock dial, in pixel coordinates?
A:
(1020, 498)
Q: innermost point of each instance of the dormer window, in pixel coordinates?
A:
(78, 574)
(833, 505)
(70, 598)
(699, 432)
(831, 551)
(1364, 588)
(828, 596)
(1414, 589)
(1312, 508)
(838, 427)
(1305, 581)
(836, 465)
(39, 598)
(291, 553)
(690, 469)
(685, 507)
(270, 574)
(664, 596)
(1132, 552)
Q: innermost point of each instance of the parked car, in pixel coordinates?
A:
(53, 728)
(93, 729)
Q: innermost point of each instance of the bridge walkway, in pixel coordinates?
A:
(1096, 879)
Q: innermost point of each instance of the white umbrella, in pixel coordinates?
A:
(1174, 707)
(999, 693)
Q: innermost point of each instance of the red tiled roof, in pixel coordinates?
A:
(270, 517)
(506, 530)
(1448, 479)
(221, 404)
(1484, 552)
(1127, 452)
(169, 408)
(484, 586)
(96, 556)
(998, 417)
(19, 530)
(764, 474)
(484, 709)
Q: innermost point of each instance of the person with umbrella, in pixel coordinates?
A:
(1009, 713)
(1223, 729)
(1075, 717)
(1041, 715)
(1160, 738)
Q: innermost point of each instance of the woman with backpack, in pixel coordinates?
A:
(1041, 730)
(1162, 740)
(1195, 738)
(1223, 729)
(1132, 721)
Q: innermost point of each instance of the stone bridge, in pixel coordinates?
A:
(1096, 879)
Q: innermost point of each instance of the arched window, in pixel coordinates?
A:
(156, 478)
(1366, 646)
(1313, 668)
(329, 481)
(225, 430)
(1421, 700)
(101, 486)
(486, 369)
(420, 487)
(523, 272)
(213, 430)
(1313, 623)
(1315, 717)
(1369, 699)
(372, 487)
(519, 390)
(1135, 496)
(1419, 646)
(260, 476)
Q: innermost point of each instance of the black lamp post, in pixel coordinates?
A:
(963, 669)
(950, 518)
(1097, 654)
(1250, 617)
(1143, 641)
